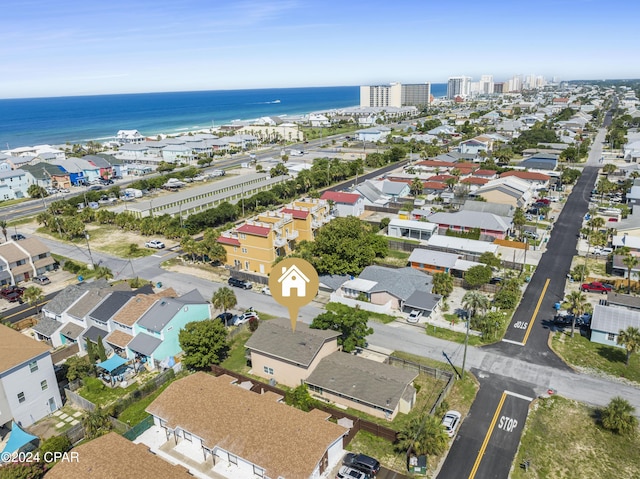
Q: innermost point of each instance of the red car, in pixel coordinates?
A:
(596, 287)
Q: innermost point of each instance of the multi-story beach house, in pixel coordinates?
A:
(28, 385)
(256, 244)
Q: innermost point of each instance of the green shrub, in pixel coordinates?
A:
(93, 385)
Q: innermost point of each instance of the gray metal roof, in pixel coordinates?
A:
(165, 309)
(371, 192)
(363, 380)
(144, 344)
(538, 163)
(487, 207)
(47, 327)
(433, 258)
(99, 161)
(401, 283)
(610, 319)
(275, 338)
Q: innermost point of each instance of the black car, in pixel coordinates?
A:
(17, 237)
(240, 283)
(362, 462)
(106, 182)
(227, 318)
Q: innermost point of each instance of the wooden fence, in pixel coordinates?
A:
(62, 354)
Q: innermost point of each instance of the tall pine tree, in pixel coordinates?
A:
(100, 350)
(91, 351)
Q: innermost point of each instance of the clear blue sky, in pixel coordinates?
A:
(69, 47)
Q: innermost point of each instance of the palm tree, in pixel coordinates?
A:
(33, 295)
(519, 219)
(596, 222)
(224, 299)
(442, 284)
(619, 416)
(96, 423)
(630, 339)
(630, 261)
(416, 187)
(474, 301)
(3, 225)
(423, 435)
(577, 305)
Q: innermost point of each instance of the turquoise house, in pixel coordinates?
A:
(155, 334)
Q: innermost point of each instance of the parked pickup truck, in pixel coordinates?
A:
(596, 287)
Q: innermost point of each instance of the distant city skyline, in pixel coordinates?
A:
(89, 48)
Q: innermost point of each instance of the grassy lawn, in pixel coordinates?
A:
(449, 335)
(579, 351)
(135, 413)
(379, 448)
(563, 440)
(105, 395)
(236, 360)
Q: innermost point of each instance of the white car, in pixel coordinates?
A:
(156, 244)
(414, 316)
(451, 421)
(266, 291)
(349, 473)
(246, 317)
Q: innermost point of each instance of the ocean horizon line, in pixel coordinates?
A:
(79, 119)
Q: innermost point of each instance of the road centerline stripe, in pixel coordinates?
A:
(535, 311)
(487, 436)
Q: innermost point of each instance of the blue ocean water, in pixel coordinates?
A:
(34, 121)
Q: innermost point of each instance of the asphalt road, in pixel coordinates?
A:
(488, 438)
(527, 335)
(22, 311)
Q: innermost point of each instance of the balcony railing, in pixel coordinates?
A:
(292, 235)
(279, 241)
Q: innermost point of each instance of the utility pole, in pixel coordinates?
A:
(86, 237)
(466, 342)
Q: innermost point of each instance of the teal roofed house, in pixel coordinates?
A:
(155, 334)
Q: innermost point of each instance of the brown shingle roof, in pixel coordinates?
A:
(16, 348)
(135, 308)
(283, 440)
(33, 246)
(276, 338)
(119, 338)
(113, 456)
(11, 253)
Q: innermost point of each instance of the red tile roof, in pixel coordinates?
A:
(465, 171)
(254, 230)
(466, 164)
(474, 180)
(339, 197)
(440, 177)
(484, 172)
(434, 185)
(229, 241)
(297, 214)
(526, 175)
(436, 164)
